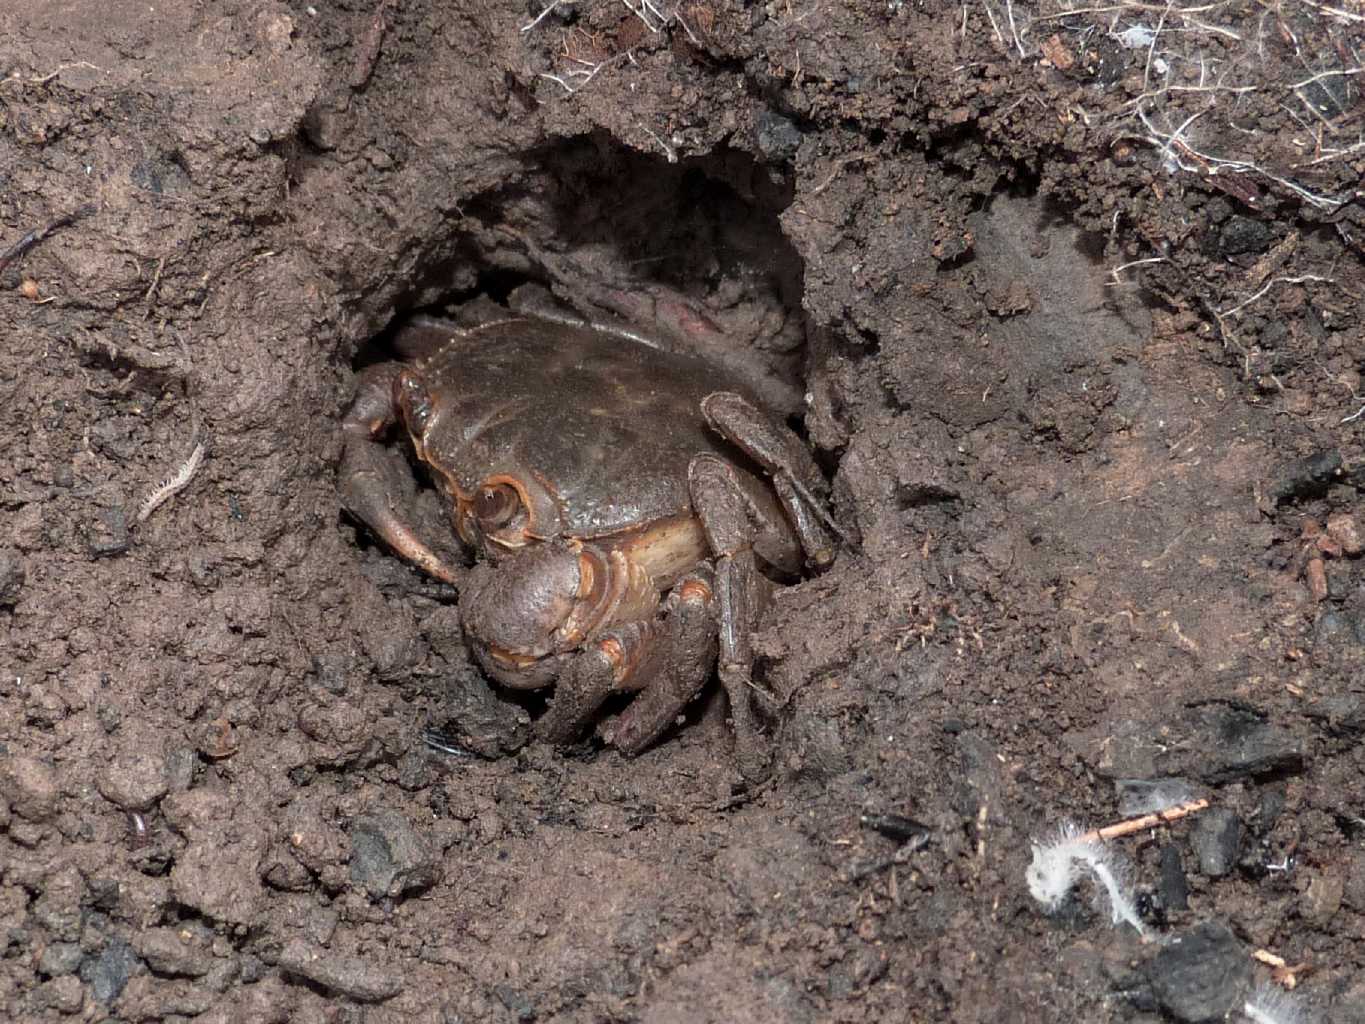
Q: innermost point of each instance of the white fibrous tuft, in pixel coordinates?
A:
(1052, 872)
(1272, 1005)
(1058, 865)
(1135, 37)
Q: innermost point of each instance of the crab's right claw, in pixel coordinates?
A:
(368, 479)
(371, 490)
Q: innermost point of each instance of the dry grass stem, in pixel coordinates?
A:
(549, 9)
(1116, 271)
(1301, 279)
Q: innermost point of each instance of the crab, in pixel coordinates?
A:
(627, 506)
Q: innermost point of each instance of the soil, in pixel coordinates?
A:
(1074, 303)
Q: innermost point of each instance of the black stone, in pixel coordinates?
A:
(1308, 477)
(778, 137)
(1216, 838)
(12, 576)
(389, 858)
(1242, 234)
(107, 971)
(1340, 715)
(1201, 975)
(1228, 743)
(1174, 888)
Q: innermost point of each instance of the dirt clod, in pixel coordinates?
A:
(64, 995)
(135, 778)
(361, 979)
(173, 951)
(1308, 477)
(107, 533)
(29, 785)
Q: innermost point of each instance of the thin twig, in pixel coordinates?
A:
(1335, 12)
(1335, 154)
(581, 77)
(987, 5)
(44, 79)
(1179, 12)
(1210, 164)
(1327, 74)
(669, 151)
(1131, 825)
(1009, 13)
(38, 234)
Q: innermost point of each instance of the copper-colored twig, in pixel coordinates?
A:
(1282, 972)
(1131, 825)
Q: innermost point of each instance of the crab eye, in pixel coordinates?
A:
(495, 506)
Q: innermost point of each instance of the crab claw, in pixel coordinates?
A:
(513, 610)
(532, 609)
(370, 487)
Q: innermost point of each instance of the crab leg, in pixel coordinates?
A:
(606, 664)
(796, 478)
(742, 593)
(667, 659)
(678, 667)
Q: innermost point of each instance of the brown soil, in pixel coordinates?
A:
(1076, 302)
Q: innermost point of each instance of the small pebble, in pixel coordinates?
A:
(1323, 896)
(108, 535)
(778, 137)
(517, 1002)
(1342, 529)
(60, 958)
